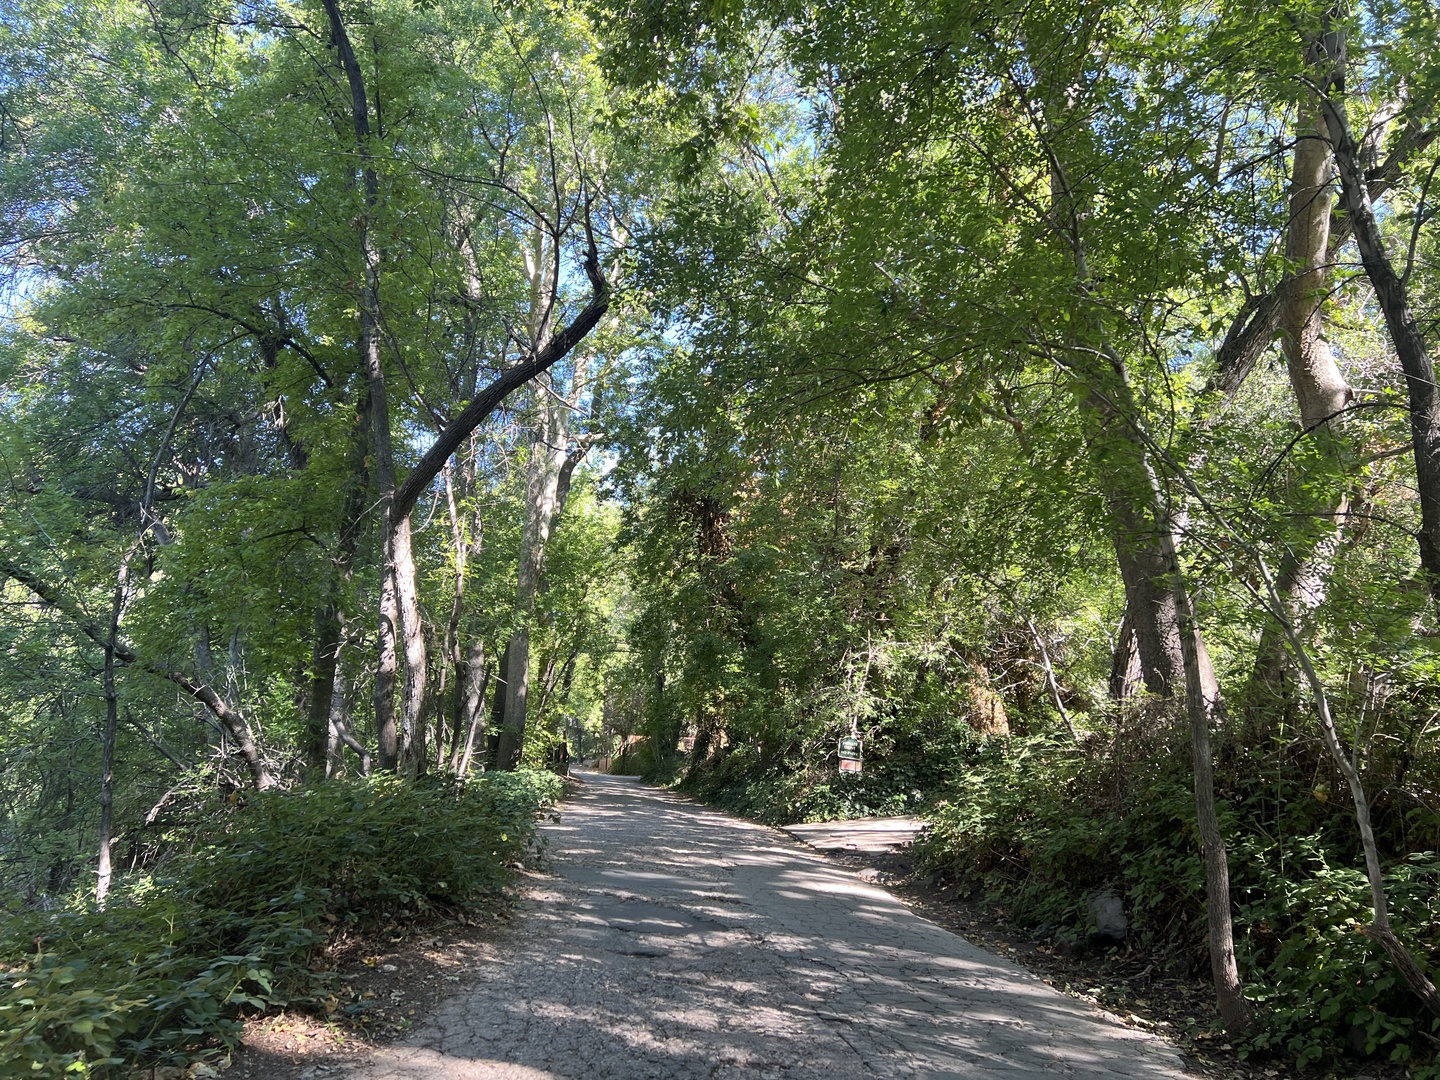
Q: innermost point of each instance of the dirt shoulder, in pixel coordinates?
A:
(386, 988)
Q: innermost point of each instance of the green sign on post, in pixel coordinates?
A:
(850, 754)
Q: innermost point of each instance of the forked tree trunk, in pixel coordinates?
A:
(1107, 407)
(340, 735)
(1174, 624)
(476, 679)
(1142, 540)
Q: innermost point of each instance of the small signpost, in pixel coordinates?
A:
(850, 760)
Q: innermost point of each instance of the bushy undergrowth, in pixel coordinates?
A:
(903, 765)
(232, 922)
(1043, 825)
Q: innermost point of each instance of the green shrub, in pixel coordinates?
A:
(1042, 826)
(372, 850)
(162, 975)
(902, 763)
(1317, 976)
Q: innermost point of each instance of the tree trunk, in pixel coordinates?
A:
(386, 671)
(1393, 297)
(1126, 677)
(543, 494)
(339, 693)
(412, 638)
(1143, 523)
(1321, 392)
(1170, 623)
(399, 607)
(1309, 559)
(497, 704)
(1259, 318)
(1203, 705)
(340, 735)
(330, 617)
(477, 676)
(1141, 528)
(517, 684)
(1235, 1011)
(107, 749)
(467, 663)
(400, 630)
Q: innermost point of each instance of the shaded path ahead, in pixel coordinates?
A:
(675, 942)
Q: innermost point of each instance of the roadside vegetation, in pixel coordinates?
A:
(240, 909)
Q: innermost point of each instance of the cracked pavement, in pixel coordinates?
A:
(670, 941)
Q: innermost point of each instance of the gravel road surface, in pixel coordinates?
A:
(672, 942)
